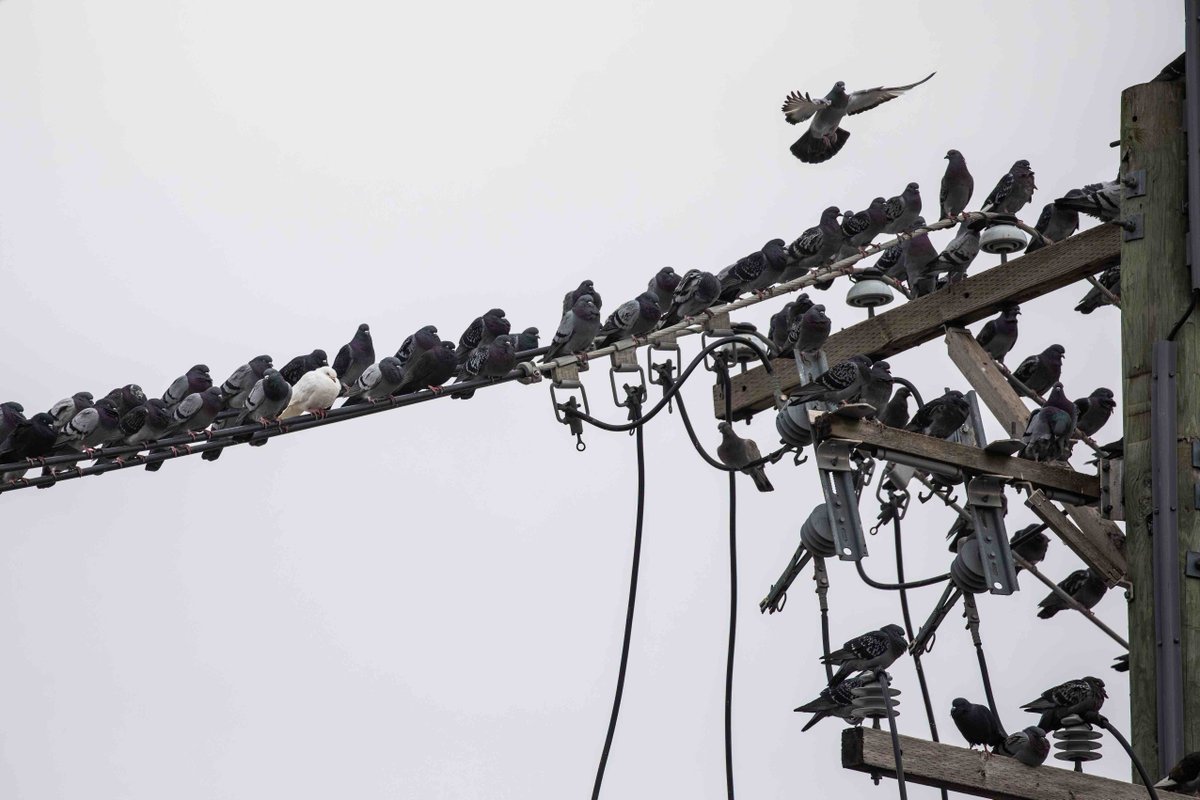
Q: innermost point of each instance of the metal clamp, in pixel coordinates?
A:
(985, 501)
(626, 361)
(836, 471)
(567, 378)
(662, 370)
(1134, 183)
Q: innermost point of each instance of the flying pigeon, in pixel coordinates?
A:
(824, 138)
(1029, 746)
(1087, 587)
(816, 247)
(1184, 776)
(997, 336)
(1038, 373)
(482, 330)
(976, 723)
(941, 416)
(300, 366)
(237, 386)
(497, 359)
(663, 285)
(64, 410)
(194, 380)
(959, 253)
(842, 381)
(1077, 697)
(1055, 224)
(636, 317)
(895, 413)
(809, 332)
(877, 389)
(697, 290)
(571, 298)
(1047, 435)
(194, 413)
(1110, 279)
(1094, 410)
(377, 382)
(736, 452)
(836, 701)
(354, 357)
(875, 650)
(1099, 200)
(33, 438)
(901, 211)
(577, 330)
(314, 393)
(414, 343)
(861, 229)
(429, 369)
(1030, 544)
(127, 397)
(1013, 190)
(957, 185)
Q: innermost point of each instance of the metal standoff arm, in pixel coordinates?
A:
(985, 501)
(836, 471)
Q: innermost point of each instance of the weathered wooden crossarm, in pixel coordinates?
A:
(1085, 532)
(877, 437)
(921, 320)
(958, 769)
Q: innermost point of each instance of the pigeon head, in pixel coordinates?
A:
(320, 358)
(1055, 353)
(830, 214)
(801, 304)
(585, 308)
(1097, 685)
(364, 328)
(881, 371)
(42, 418)
(328, 374)
(13, 405)
(860, 360)
(260, 364)
(667, 279)
(895, 631)
(1012, 312)
(132, 394)
(953, 154)
(496, 325)
(106, 406)
(1021, 164)
(1104, 397)
(82, 396)
(912, 187)
(919, 222)
(199, 368)
(959, 704)
(903, 393)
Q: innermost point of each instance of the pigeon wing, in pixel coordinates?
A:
(866, 99)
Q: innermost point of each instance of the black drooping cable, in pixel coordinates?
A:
(636, 411)
(972, 614)
(896, 587)
(733, 587)
(1103, 722)
(1191, 307)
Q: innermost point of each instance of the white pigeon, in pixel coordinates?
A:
(314, 393)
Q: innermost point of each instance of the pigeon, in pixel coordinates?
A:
(957, 185)
(127, 397)
(1038, 373)
(1030, 544)
(314, 393)
(737, 276)
(1099, 200)
(942, 416)
(1087, 587)
(194, 413)
(354, 357)
(497, 359)
(976, 723)
(527, 339)
(1094, 410)
(1184, 776)
(876, 650)
(1078, 697)
(776, 253)
(918, 256)
(1013, 190)
(377, 382)
(1110, 279)
(11, 414)
(634, 318)
(697, 290)
(836, 701)
(414, 343)
(429, 369)
(145, 423)
(482, 330)
(571, 298)
(959, 253)
(997, 336)
(194, 380)
(842, 381)
(576, 331)
(663, 285)
(895, 413)
(31, 438)
(1029, 746)
(267, 400)
(777, 331)
(901, 211)
(816, 247)
(810, 331)
(1047, 435)
(824, 138)
(91, 428)
(1055, 224)
(877, 389)
(861, 229)
(300, 366)
(1121, 663)
(237, 386)
(736, 452)
(64, 410)
(891, 263)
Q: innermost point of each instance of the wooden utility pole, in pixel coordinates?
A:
(1156, 293)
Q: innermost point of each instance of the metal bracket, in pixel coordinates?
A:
(776, 598)
(836, 471)
(985, 500)
(1134, 183)
(1192, 566)
(1112, 488)
(1132, 228)
(626, 361)
(821, 578)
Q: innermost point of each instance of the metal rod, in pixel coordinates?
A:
(971, 611)
(1191, 71)
(882, 677)
(1071, 601)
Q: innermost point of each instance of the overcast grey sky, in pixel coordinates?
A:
(429, 603)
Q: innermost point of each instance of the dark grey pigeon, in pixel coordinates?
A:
(895, 413)
(1084, 585)
(527, 340)
(1038, 373)
(1055, 224)
(903, 210)
(891, 263)
(861, 229)
(576, 331)
(64, 410)
(737, 276)
(997, 336)
(810, 331)
(414, 343)
(91, 428)
(1030, 544)
(429, 369)
(842, 381)
(824, 138)
(377, 382)
(299, 366)
(1184, 776)
(919, 256)
(836, 701)
(636, 317)
(736, 452)
(194, 380)
(875, 650)
(977, 724)
(941, 416)
(31, 439)
(959, 253)
(1099, 200)
(777, 331)
(11, 414)
(354, 357)
(497, 359)
(237, 386)
(483, 330)
(1073, 698)
(1029, 746)
(1110, 279)
(663, 285)
(146, 423)
(193, 414)
(697, 290)
(778, 260)
(1013, 190)
(266, 401)
(571, 298)
(816, 247)
(957, 186)
(1094, 410)
(127, 397)
(878, 387)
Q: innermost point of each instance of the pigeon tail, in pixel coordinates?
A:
(761, 481)
(1047, 613)
(817, 717)
(814, 149)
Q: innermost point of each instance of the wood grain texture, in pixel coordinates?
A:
(988, 382)
(1090, 542)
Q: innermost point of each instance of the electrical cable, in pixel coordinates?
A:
(733, 591)
(1191, 307)
(1103, 722)
(896, 587)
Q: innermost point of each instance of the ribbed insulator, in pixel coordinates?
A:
(967, 568)
(868, 701)
(792, 424)
(1077, 741)
(816, 533)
